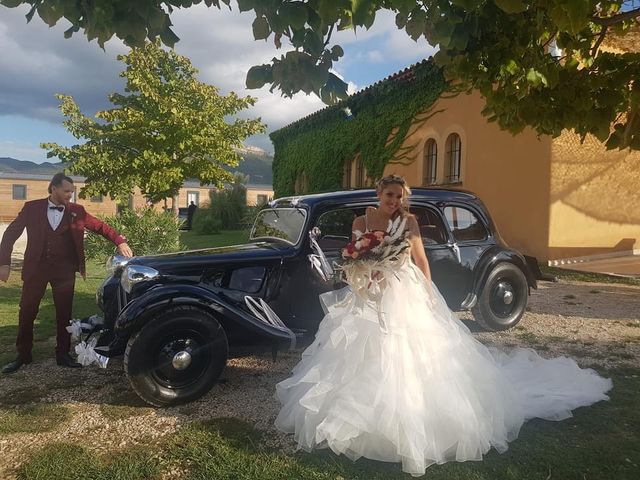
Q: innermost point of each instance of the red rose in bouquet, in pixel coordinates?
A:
(363, 245)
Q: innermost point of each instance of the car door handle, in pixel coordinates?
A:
(456, 249)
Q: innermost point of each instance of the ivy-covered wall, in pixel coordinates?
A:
(320, 144)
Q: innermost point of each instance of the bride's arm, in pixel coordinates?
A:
(417, 248)
(357, 225)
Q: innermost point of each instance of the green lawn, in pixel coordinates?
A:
(599, 442)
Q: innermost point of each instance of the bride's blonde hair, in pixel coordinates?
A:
(384, 182)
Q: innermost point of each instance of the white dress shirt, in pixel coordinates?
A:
(54, 216)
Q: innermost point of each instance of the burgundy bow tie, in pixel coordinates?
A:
(60, 209)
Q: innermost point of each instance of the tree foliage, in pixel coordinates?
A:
(167, 127)
(538, 63)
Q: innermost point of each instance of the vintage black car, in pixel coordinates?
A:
(178, 317)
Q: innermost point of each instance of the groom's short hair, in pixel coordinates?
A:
(57, 180)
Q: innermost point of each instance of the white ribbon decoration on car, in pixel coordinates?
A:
(318, 260)
(87, 355)
(263, 312)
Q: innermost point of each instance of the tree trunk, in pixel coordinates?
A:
(174, 205)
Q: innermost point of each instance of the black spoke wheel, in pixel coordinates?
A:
(503, 300)
(176, 357)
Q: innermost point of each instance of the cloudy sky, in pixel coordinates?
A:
(37, 62)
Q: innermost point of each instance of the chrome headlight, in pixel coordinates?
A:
(115, 262)
(133, 274)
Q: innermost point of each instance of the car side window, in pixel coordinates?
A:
(335, 228)
(247, 279)
(464, 224)
(432, 228)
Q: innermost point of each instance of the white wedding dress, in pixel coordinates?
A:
(421, 390)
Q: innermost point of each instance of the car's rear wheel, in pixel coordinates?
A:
(176, 357)
(503, 299)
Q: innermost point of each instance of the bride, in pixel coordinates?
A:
(397, 377)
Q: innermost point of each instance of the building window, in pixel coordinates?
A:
(430, 162)
(193, 197)
(19, 192)
(346, 175)
(96, 199)
(454, 155)
(360, 173)
(261, 199)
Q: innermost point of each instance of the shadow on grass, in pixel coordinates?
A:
(599, 442)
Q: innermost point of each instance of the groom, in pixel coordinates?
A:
(54, 253)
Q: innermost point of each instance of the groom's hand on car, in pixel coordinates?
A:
(125, 250)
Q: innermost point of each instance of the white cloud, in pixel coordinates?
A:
(38, 62)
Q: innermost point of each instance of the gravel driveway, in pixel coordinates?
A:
(598, 324)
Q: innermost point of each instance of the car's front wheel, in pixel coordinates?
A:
(503, 299)
(176, 357)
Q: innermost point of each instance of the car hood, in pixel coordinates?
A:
(198, 259)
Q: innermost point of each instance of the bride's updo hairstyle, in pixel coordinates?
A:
(384, 182)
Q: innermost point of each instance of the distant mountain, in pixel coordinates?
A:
(11, 165)
(257, 165)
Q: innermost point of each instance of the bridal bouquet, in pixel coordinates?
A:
(377, 245)
(370, 259)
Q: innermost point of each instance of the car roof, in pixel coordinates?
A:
(427, 194)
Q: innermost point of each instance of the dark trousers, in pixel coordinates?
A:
(62, 280)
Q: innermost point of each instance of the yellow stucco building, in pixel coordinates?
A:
(552, 198)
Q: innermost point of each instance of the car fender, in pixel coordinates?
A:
(141, 310)
(496, 255)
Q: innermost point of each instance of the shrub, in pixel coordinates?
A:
(147, 231)
(227, 209)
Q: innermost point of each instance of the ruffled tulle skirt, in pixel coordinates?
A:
(421, 390)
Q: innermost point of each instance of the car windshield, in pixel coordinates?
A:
(283, 224)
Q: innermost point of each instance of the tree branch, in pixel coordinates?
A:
(603, 33)
(621, 17)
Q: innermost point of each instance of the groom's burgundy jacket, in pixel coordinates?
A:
(33, 217)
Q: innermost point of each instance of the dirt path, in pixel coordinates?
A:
(598, 324)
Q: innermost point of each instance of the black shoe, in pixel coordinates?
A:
(15, 365)
(67, 360)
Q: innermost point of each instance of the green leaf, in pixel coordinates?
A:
(516, 6)
(401, 20)
(246, 5)
(330, 11)
(258, 76)
(12, 3)
(536, 78)
(168, 37)
(466, 4)
(334, 90)
(313, 43)
(261, 29)
(294, 13)
(415, 27)
(318, 77)
(363, 13)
